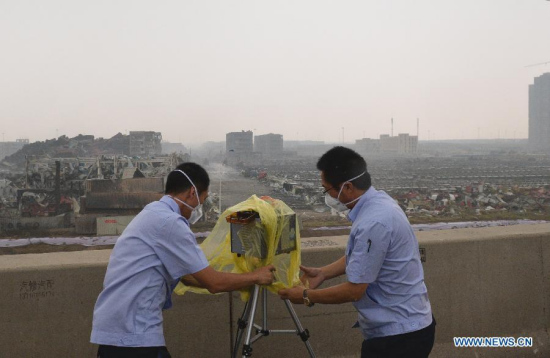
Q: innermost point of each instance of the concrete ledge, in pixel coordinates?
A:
(482, 282)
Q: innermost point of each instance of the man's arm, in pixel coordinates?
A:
(342, 293)
(313, 277)
(215, 281)
(365, 262)
(189, 280)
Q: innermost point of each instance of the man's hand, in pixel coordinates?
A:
(189, 280)
(265, 275)
(294, 294)
(313, 277)
(216, 281)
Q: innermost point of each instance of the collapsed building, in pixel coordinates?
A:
(52, 184)
(145, 143)
(108, 205)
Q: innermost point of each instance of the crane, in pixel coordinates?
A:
(541, 63)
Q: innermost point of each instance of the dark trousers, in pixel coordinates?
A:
(132, 352)
(417, 344)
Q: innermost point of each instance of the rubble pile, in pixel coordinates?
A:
(430, 186)
(435, 172)
(32, 186)
(49, 179)
(297, 180)
(473, 199)
(64, 147)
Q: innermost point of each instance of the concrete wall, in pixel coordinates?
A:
(482, 282)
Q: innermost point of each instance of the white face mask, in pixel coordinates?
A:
(335, 203)
(196, 212)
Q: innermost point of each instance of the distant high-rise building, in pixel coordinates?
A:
(239, 142)
(145, 143)
(407, 143)
(268, 144)
(401, 144)
(308, 148)
(367, 145)
(539, 112)
(388, 144)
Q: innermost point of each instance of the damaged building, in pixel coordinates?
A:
(52, 184)
(239, 148)
(145, 143)
(269, 144)
(107, 206)
(239, 142)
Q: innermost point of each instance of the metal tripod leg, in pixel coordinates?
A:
(264, 309)
(303, 333)
(241, 325)
(247, 348)
(247, 321)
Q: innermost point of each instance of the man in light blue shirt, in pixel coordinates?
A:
(382, 263)
(153, 253)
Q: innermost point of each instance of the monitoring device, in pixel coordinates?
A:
(248, 235)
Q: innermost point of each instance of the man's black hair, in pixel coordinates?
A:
(341, 164)
(177, 182)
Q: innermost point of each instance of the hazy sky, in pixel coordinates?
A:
(195, 70)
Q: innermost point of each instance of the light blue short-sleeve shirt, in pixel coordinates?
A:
(383, 251)
(152, 254)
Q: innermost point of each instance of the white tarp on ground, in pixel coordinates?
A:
(82, 240)
(110, 240)
(456, 225)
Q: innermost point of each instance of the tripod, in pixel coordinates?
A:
(247, 322)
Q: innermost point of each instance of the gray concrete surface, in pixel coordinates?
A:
(482, 282)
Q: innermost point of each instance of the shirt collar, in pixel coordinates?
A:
(168, 200)
(352, 215)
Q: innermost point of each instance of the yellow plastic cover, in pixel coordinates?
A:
(274, 217)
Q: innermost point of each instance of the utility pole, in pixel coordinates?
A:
(220, 198)
(221, 173)
(26, 172)
(57, 186)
